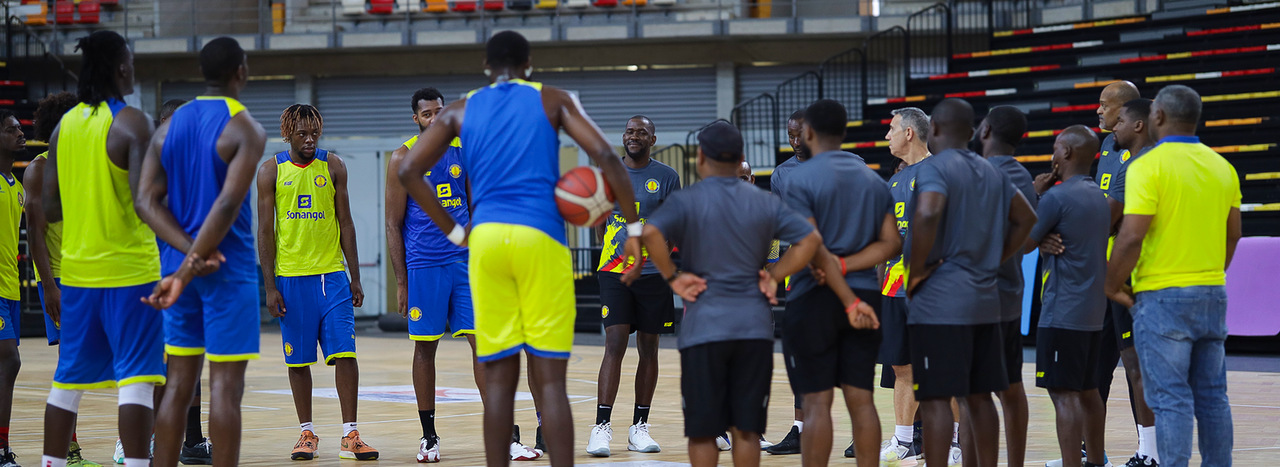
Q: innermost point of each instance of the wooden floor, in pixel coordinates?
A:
(388, 418)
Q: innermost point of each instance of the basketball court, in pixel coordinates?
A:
(388, 418)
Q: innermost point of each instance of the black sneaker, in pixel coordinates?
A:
(539, 445)
(789, 444)
(848, 452)
(8, 458)
(1139, 460)
(917, 441)
(199, 454)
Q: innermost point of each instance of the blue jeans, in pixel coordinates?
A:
(1179, 334)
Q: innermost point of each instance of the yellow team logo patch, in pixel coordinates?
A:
(444, 190)
(288, 349)
(604, 313)
(651, 185)
(455, 171)
(1105, 182)
(899, 210)
(1039, 374)
(415, 314)
(321, 181)
(668, 324)
(1124, 156)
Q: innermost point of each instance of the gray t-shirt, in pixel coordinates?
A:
(778, 181)
(723, 227)
(652, 184)
(1071, 293)
(970, 239)
(849, 201)
(1009, 278)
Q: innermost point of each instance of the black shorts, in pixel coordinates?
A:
(646, 306)
(957, 360)
(1122, 319)
(725, 384)
(826, 352)
(1012, 331)
(894, 348)
(1067, 359)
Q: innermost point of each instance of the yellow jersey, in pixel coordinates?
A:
(104, 243)
(10, 218)
(52, 241)
(307, 237)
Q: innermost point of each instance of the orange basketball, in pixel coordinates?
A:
(583, 196)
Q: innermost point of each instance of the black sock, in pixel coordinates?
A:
(641, 415)
(603, 414)
(428, 419)
(194, 436)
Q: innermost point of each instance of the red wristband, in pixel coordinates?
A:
(843, 269)
(856, 301)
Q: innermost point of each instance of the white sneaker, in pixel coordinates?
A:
(954, 457)
(118, 456)
(601, 435)
(723, 443)
(429, 450)
(892, 452)
(638, 439)
(520, 452)
(764, 444)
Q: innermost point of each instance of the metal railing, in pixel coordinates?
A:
(757, 119)
(678, 157)
(797, 93)
(887, 62)
(30, 38)
(929, 41)
(844, 79)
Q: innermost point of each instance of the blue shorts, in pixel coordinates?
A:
(216, 317)
(440, 294)
(10, 319)
(109, 338)
(317, 308)
(51, 329)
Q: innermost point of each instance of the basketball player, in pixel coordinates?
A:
(202, 162)
(13, 143)
(521, 275)
(1181, 197)
(952, 261)
(907, 132)
(852, 209)
(109, 257)
(744, 173)
(1000, 134)
(645, 307)
(790, 444)
(302, 200)
(1072, 301)
(726, 348)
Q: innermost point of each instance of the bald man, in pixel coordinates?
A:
(952, 256)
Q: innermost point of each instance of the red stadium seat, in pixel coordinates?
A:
(494, 5)
(90, 12)
(64, 12)
(465, 6)
(380, 7)
(605, 3)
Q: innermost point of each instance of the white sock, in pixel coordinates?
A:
(347, 428)
(799, 425)
(308, 427)
(137, 462)
(1147, 442)
(955, 433)
(902, 433)
(50, 461)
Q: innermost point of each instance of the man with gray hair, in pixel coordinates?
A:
(1180, 197)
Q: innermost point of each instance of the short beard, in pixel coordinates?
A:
(634, 155)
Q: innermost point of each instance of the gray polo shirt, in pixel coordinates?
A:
(970, 239)
(1009, 278)
(723, 227)
(1071, 293)
(848, 201)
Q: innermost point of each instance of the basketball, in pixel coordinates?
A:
(583, 197)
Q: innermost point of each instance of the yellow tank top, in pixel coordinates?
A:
(306, 221)
(104, 243)
(52, 241)
(10, 217)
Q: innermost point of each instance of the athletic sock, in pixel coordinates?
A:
(902, 433)
(194, 436)
(50, 461)
(603, 414)
(137, 462)
(347, 428)
(1147, 442)
(955, 433)
(428, 419)
(799, 424)
(641, 415)
(539, 415)
(308, 426)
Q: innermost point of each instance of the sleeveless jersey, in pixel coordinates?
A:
(10, 218)
(424, 244)
(513, 155)
(196, 174)
(52, 241)
(104, 243)
(306, 222)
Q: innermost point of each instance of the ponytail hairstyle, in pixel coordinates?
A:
(103, 52)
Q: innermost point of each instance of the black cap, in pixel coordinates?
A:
(721, 141)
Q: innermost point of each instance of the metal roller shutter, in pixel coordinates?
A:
(264, 99)
(380, 106)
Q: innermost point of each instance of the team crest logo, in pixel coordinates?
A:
(455, 171)
(913, 184)
(321, 181)
(1124, 156)
(415, 314)
(651, 185)
(604, 313)
(288, 349)
(20, 198)
(3, 323)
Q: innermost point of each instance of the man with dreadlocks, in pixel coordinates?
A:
(304, 232)
(109, 257)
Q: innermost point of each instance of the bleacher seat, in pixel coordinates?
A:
(520, 5)
(64, 13)
(545, 4)
(635, 2)
(464, 6)
(494, 5)
(379, 7)
(664, 2)
(38, 19)
(605, 3)
(435, 6)
(90, 12)
(577, 3)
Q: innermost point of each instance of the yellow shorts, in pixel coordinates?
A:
(522, 291)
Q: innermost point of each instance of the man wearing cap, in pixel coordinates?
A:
(723, 228)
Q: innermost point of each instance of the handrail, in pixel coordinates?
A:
(746, 117)
(29, 33)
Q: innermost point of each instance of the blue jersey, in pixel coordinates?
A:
(513, 157)
(195, 175)
(424, 244)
